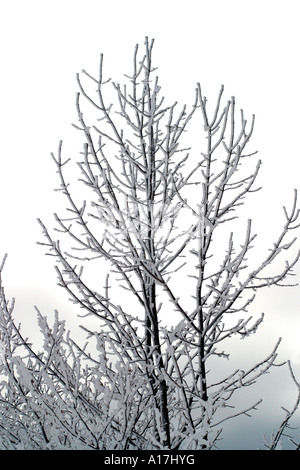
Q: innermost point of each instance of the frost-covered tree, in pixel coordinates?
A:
(148, 248)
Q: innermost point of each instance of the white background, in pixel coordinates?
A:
(252, 47)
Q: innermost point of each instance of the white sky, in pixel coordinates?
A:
(250, 46)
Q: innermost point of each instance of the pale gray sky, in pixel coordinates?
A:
(250, 46)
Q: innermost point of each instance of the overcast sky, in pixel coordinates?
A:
(252, 47)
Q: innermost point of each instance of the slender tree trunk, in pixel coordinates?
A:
(152, 323)
(156, 364)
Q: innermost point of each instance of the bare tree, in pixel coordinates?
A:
(152, 261)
